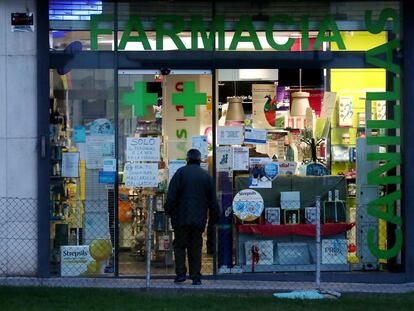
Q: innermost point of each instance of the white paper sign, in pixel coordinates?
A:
(74, 260)
(141, 174)
(109, 165)
(173, 166)
(328, 105)
(200, 143)
(229, 135)
(70, 164)
(240, 158)
(204, 166)
(97, 148)
(345, 111)
(380, 110)
(255, 136)
(224, 158)
(143, 149)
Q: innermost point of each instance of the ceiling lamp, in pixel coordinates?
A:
(300, 100)
(235, 111)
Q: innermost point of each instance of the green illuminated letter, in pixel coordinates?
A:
(329, 25)
(375, 176)
(176, 24)
(269, 32)
(381, 253)
(197, 26)
(387, 48)
(394, 95)
(386, 124)
(377, 27)
(304, 26)
(375, 208)
(181, 133)
(134, 23)
(95, 31)
(245, 23)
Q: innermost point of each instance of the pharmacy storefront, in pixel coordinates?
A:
(296, 108)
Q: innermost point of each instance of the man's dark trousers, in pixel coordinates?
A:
(188, 238)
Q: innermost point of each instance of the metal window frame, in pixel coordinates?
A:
(223, 60)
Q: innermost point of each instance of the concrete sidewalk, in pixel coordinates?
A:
(223, 286)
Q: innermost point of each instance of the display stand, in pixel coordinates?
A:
(290, 241)
(70, 169)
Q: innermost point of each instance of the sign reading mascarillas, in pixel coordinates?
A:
(74, 260)
(141, 174)
(143, 149)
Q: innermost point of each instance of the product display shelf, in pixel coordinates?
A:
(294, 246)
(162, 235)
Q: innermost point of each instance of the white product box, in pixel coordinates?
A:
(310, 215)
(265, 249)
(272, 215)
(293, 253)
(334, 251)
(290, 200)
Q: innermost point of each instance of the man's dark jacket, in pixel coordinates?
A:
(190, 196)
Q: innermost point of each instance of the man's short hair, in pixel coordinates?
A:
(193, 156)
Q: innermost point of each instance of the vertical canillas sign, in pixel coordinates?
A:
(383, 57)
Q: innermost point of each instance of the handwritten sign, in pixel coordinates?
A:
(143, 149)
(141, 175)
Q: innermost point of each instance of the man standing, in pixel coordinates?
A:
(190, 197)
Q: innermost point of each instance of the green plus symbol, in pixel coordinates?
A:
(189, 99)
(140, 99)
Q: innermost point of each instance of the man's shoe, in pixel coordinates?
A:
(179, 279)
(196, 282)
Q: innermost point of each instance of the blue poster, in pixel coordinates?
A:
(107, 177)
(79, 134)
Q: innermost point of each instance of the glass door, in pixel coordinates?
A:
(82, 201)
(161, 116)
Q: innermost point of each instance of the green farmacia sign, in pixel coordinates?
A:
(171, 26)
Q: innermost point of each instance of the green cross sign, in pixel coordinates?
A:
(189, 99)
(140, 99)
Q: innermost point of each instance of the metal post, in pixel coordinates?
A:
(116, 126)
(77, 210)
(149, 240)
(318, 242)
